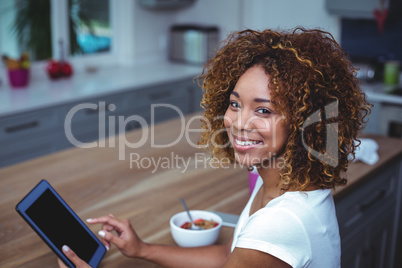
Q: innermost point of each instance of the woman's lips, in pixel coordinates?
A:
(244, 144)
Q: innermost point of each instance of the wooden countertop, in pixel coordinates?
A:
(95, 182)
(389, 151)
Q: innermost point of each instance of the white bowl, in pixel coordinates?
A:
(194, 238)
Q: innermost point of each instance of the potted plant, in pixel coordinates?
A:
(32, 26)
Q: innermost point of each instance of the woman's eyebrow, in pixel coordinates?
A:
(261, 100)
(235, 94)
(255, 100)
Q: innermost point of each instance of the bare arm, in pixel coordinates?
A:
(171, 256)
(131, 245)
(242, 257)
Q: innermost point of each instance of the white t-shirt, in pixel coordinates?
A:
(300, 228)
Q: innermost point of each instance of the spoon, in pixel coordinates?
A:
(193, 226)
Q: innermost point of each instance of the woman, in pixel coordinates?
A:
(290, 105)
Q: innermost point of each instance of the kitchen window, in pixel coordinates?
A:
(81, 31)
(91, 26)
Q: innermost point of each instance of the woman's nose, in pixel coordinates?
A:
(243, 121)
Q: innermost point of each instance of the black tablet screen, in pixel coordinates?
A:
(56, 222)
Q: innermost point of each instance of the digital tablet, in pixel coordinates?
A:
(58, 225)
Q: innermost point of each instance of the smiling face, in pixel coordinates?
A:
(255, 129)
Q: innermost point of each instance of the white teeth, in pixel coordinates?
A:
(245, 143)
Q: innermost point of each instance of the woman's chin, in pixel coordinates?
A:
(246, 160)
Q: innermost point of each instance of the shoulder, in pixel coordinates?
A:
(274, 231)
(275, 223)
(294, 211)
(297, 216)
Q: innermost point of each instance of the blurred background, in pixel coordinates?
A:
(59, 53)
(97, 33)
(120, 57)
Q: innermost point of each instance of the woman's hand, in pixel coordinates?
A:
(126, 240)
(73, 258)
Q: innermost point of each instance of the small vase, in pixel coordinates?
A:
(18, 78)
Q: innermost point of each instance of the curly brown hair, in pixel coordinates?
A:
(308, 72)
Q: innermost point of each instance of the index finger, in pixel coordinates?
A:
(117, 224)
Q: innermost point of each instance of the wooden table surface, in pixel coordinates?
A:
(95, 182)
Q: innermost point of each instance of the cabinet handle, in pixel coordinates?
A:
(377, 196)
(23, 126)
(161, 95)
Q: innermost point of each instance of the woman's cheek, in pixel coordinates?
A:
(227, 119)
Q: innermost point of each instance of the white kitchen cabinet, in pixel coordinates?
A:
(385, 119)
(368, 220)
(373, 118)
(390, 121)
(386, 114)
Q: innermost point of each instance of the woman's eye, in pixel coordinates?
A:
(234, 104)
(264, 111)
